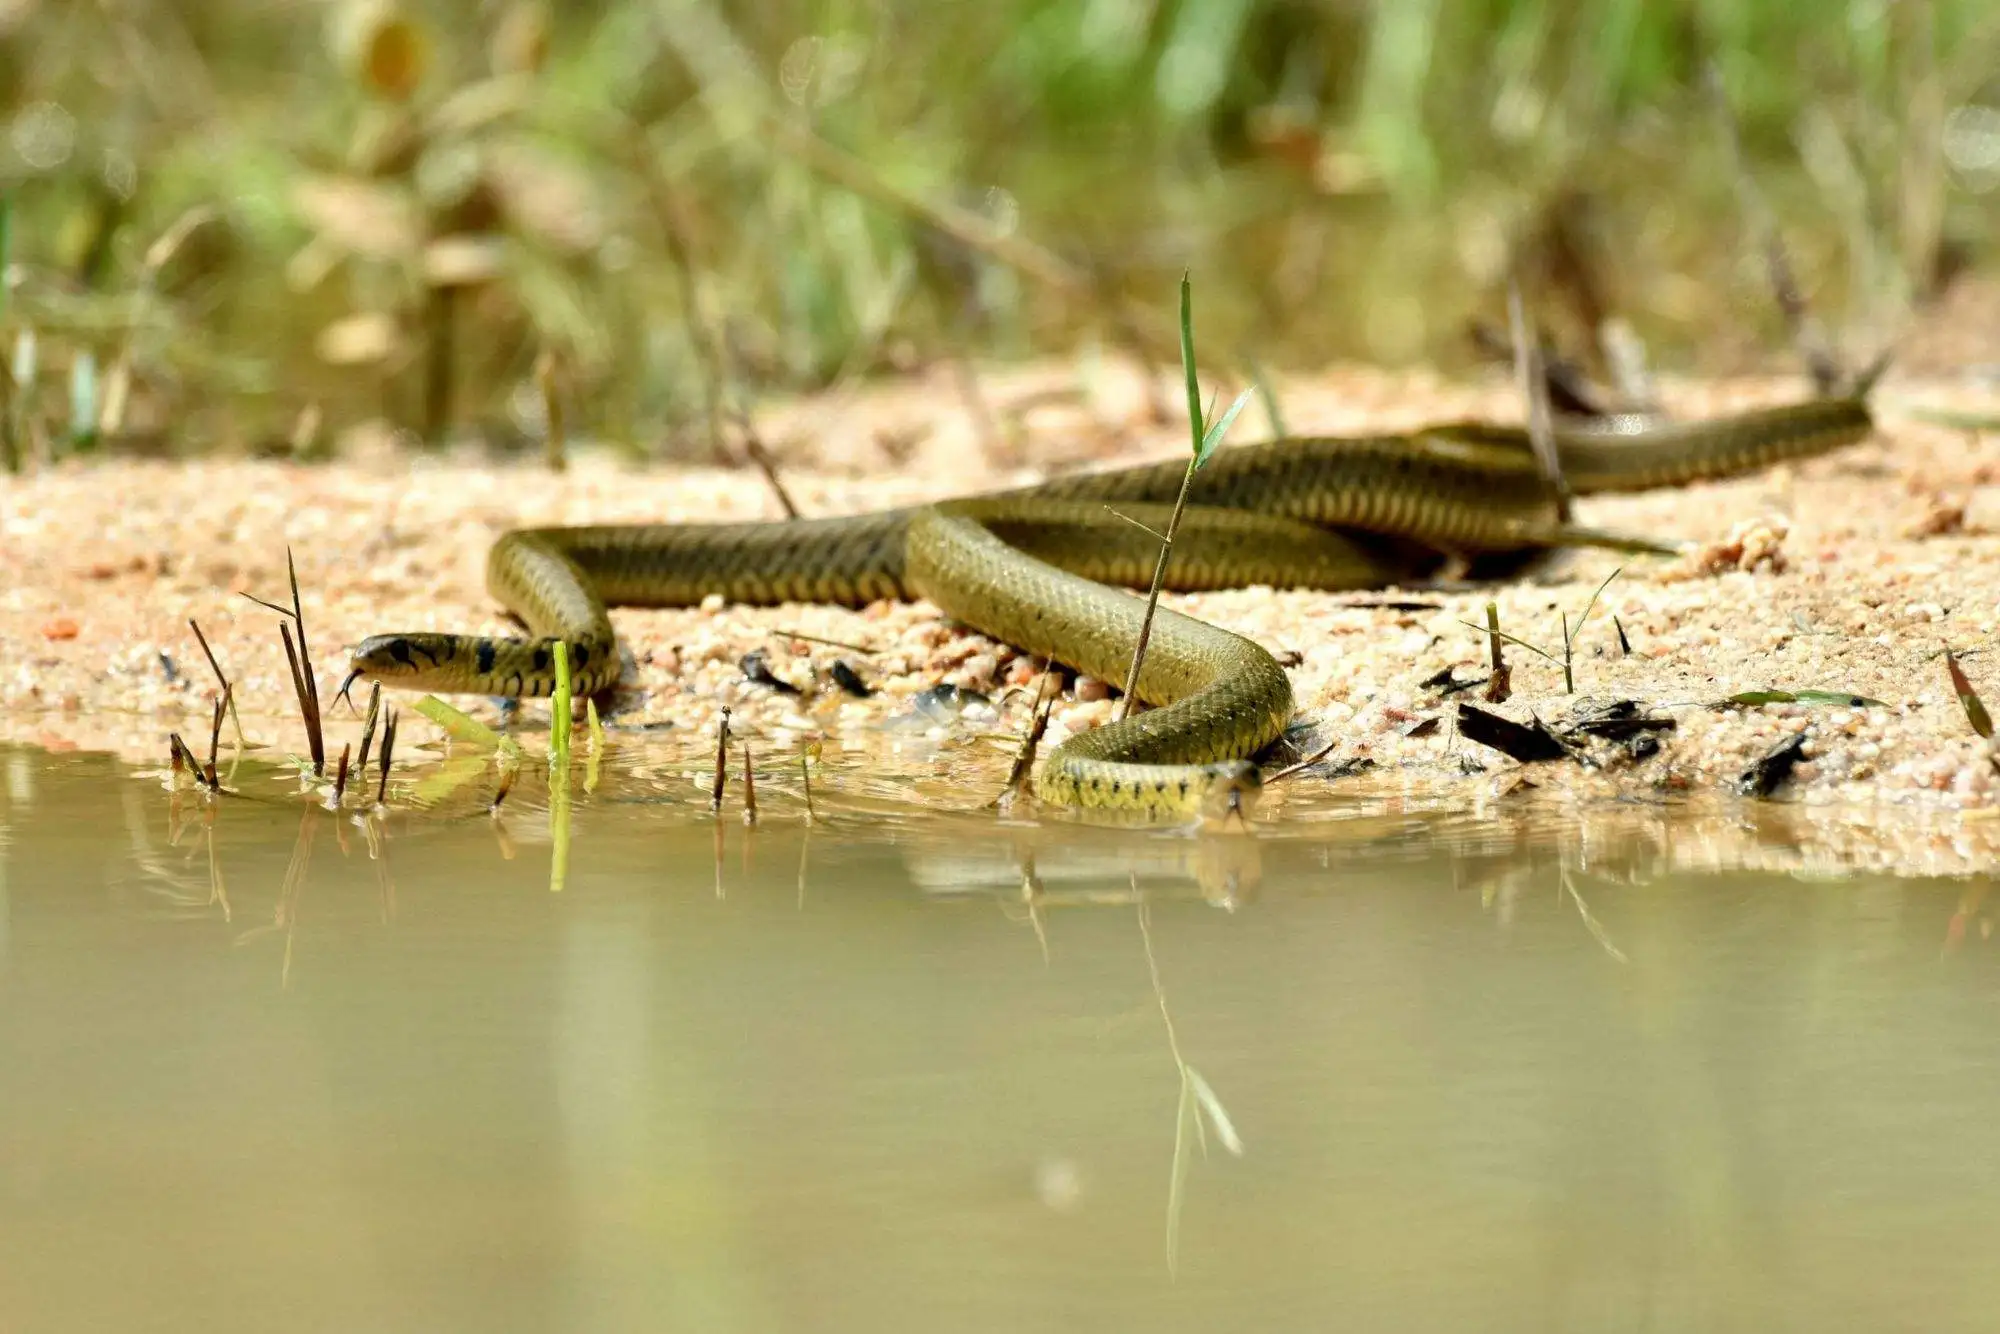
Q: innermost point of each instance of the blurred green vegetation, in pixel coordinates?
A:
(240, 223)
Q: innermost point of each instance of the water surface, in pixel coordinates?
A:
(915, 1071)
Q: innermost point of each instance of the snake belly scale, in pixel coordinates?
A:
(1035, 567)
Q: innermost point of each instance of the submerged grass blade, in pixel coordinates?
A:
(1218, 1115)
(559, 817)
(1596, 928)
(1186, 1117)
(596, 729)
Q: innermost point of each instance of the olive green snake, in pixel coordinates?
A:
(1031, 567)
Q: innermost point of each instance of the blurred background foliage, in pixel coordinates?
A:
(252, 223)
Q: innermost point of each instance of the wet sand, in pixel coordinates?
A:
(1848, 573)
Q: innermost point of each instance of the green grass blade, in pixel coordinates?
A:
(1569, 636)
(458, 726)
(1837, 698)
(560, 722)
(1187, 362)
(1516, 641)
(1212, 441)
(1218, 1115)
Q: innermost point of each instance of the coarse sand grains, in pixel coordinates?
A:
(1849, 573)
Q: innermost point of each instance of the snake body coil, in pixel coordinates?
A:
(1031, 567)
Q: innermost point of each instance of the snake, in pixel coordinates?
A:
(1043, 567)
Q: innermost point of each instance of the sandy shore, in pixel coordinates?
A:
(1848, 573)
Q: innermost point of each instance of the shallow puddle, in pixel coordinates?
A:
(1368, 1067)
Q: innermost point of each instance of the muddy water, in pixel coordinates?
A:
(1381, 1071)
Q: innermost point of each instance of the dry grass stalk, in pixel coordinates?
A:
(760, 458)
(1530, 377)
(556, 439)
(1024, 758)
(215, 737)
(388, 754)
(1206, 437)
(184, 757)
(222, 677)
(1499, 684)
(721, 763)
(368, 727)
(300, 657)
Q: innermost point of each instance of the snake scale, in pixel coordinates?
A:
(1033, 567)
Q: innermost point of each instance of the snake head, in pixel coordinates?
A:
(408, 661)
(1233, 789)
